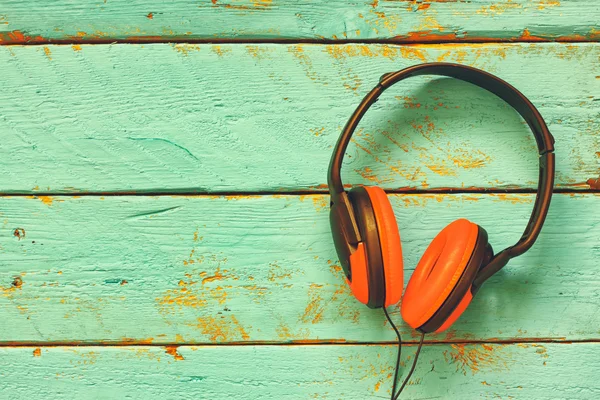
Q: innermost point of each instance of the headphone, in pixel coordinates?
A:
(460, 259)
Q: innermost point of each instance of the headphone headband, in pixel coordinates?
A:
(493, 84)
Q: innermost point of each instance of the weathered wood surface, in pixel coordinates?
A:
(405, 20)
(488, 371)
(263, 269)
(197, 118)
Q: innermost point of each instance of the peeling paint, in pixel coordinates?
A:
(363, 50)
(259, 52)
(513, 198)
(185, 49)
(222, 328)
(475, 358)
(17, 37)
(594, 183)
(320, 202)
(19, 233)
(221, 50)
(172, 350)
(298, 52)
(48, 53)
(498, 8)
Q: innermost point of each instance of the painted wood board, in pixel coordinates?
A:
(407, 20)
(202, 118)
(487, 371)
(136, 269)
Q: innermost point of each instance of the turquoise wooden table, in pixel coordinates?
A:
(164, 217)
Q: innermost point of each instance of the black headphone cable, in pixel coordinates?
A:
(395, 395)
(399, 351)
(412, 369)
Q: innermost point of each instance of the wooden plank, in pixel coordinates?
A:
(198, 118)
(263, 269)
(405, 20)
(524, 371)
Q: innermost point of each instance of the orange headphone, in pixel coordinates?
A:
(459, 259)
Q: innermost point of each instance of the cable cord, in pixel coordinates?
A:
(395, 395)
(399, 351)
(412, 369)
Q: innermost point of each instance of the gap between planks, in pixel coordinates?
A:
(144, 343)
(319, 191)
(40, 41)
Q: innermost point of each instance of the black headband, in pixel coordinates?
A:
(495, 85)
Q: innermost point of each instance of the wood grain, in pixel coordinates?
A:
(524, 371)
(402, 21)
(263, 269)
(202, 118)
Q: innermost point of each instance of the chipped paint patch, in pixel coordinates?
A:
(222, 328)
(37, 352)
(259, 52)
(284, 333)
(317, 131)
(475, 358)
(428, 36)
(220, 50)
(543, 4)
(183, 296)
(313, 312)
(513, 198)
(218, 276)
(127, 340)
(320, 202)
(363, 50)
(412, 53)
(48, 53)
(277, 273)
(47, 200)
(469, 159)
(498, 8)
(322, 299)
(19, 233)
(17, 283)
(195, 289)
(594, 183)
(172, 350)
(18, 37)
(369, 175)
(75, 47)
(298, 52)
(379, 20)
(185, 49)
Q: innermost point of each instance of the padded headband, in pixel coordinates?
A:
(493, 84)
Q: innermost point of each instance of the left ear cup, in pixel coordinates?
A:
(359, 281)
(439, 289)
(366, 262)
(391, 248)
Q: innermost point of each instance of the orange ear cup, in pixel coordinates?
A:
(391, 248)
(462, 306)
(358, 270)
(437, 273)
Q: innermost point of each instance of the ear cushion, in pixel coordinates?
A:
(462, 306)
(391, 249)
(367, 259)
(438, 272)
(358, 269)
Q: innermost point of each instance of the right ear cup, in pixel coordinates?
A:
(452, 259)
(391, 248)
